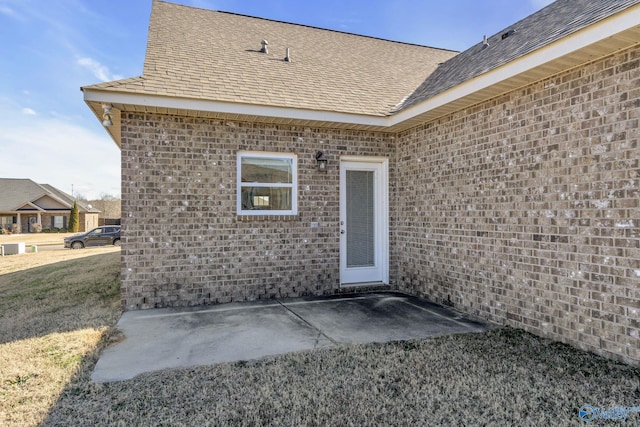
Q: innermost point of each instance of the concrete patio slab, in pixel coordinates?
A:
(172, 338)
(379, 317)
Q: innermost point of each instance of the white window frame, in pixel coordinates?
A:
(293, 185)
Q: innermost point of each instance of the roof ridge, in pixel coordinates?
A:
(309, 26)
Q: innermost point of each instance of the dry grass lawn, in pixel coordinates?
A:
(57, 318)
(35, 238)
(14, 263)
(45, 255)
(55, 308)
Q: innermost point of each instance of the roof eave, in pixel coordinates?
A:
(151, 103)
(612, 34)
(114, 131)
(598, 40)
(54, 196)
(31, 200)
(33, 205)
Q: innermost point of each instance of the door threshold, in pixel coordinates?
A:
(362, 285)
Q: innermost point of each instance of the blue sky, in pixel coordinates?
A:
(52, 48)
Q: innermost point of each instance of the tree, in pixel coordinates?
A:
(80, 197)
(73, 219)
(108, 205)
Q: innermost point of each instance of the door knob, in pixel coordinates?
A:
(342, 232)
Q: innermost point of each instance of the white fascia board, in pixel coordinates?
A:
(159, 101)
(36, 207)
(581, 39)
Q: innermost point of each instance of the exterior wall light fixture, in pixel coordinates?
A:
(107, 116)
(321, 160)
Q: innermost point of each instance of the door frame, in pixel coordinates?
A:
(382, 216)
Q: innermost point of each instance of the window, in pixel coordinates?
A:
(58, 222)
(267, 184)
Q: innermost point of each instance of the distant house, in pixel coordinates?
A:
(26, 203)
(503, 180)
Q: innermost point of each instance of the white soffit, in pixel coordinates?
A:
(174, 103)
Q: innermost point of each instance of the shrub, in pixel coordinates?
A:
(36, 228)
(16, 228)
(73, 218)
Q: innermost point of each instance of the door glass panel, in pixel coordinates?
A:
(360, 218)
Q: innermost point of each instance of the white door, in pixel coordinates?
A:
(364, 229)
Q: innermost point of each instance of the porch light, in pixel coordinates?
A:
(321, 161)
(107, 117)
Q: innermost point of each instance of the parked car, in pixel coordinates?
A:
(107, 235)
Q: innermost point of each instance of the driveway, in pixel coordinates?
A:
(172, 338)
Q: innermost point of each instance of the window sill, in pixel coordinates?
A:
(248, 218)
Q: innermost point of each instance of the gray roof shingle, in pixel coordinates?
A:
(214, 56)
(209, 55)
(15, 193)
(544, 27)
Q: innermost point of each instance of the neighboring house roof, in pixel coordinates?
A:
(548, 25)
(24, 194)
(82, 207)
(209, 64)
(203, 54)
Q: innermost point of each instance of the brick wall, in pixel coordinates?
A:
(47, 219)
(183, 243)
(525, 210)
(88, 221)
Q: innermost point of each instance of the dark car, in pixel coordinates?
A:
(107, 235)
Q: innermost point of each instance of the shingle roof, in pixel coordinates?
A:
(202, 54)
(544, 27)
(15, 193)
(82, 207)
(199, 54)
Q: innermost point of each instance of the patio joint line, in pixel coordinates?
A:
(307, 322)
(212, 310)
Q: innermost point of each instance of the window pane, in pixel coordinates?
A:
(58, 221)
(266, 198)
(267, 170)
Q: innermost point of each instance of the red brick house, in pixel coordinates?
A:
(503, 180)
